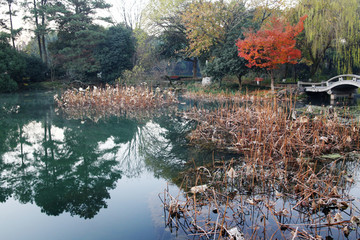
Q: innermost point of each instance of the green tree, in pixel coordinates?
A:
(76, 52)
(74, 15)
(145, 49)
(172, 41)
(36, 14)
(164, 20)
(12, 65)
(161, 14)
(330, 24)
(206, 24)
(224, 59)
(78, 36)
(115, 53)
(212, 28)
(35, 68)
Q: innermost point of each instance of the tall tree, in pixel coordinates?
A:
(75, 15)
(77, 35)
(161, 14)
(212, 28)
(115, 53)
(224, 59)
(37, 29)
(43, 28)
(11, 12)
(145, 51)
(271, 46)
(331, 24)
(36, 14)
(206, 24)
(164, 19)
(75, 53)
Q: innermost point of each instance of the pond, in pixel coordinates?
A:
(63, 178)
(76, 179)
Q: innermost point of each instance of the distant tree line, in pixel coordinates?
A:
(70, 41)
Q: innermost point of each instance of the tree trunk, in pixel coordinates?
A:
(44, 49)
(37, 33)
(286, 70)
(314, 67)
(240, 82)
(43, 27)
(11, 25)
(272, 81)
(317, 58)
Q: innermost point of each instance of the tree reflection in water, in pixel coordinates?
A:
(70, 165)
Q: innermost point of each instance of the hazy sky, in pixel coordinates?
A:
(132, 7)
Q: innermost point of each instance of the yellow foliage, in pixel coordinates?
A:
(205, 23)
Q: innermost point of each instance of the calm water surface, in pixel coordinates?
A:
(62, 178)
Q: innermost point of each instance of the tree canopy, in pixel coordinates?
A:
(223, 58)
(78, 36)
(115, 52)
(331, 24)
(272, 45)
(206, 24)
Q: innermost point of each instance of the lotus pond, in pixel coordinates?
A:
(119, 177)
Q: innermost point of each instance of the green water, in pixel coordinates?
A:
(62, 178)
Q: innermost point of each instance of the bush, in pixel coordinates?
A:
(115, 53)
(12, 65)
(7, 84)
(35, 69)
(132, 76)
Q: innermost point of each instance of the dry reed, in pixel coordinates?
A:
(263, 130)
(95, 103)
(281, 188)
(243, 200)
(227, 96)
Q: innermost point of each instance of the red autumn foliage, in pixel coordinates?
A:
(272, 45)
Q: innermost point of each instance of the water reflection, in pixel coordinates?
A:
(269, 202)
(71, 165)
(324, 99)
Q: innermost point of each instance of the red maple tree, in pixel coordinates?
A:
(271, 46)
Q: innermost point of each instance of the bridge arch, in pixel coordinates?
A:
(341, 84)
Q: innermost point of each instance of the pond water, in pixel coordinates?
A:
(63, 178)
(75, 179)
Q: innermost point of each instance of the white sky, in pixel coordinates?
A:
(133, 8)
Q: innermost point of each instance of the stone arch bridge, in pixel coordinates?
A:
(340, 86)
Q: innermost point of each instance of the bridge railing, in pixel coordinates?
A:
(339, 78)
(311, 84)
